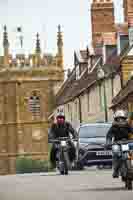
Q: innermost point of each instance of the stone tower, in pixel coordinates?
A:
(102, 18)
(128, 10)
(28, 85)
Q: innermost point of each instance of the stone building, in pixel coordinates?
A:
(27, 89)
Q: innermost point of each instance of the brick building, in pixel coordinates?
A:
(102, 18)
(128, 9)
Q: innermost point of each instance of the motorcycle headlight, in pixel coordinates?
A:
(63, 143)
(75, 143)
(115, 148)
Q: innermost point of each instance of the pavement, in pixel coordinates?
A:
(89, 184)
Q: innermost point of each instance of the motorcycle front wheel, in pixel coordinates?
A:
(64, 164)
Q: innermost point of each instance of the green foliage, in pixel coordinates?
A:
(28, 165)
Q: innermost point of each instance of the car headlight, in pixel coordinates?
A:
(125, 147)
(83, 145)
(115, 148)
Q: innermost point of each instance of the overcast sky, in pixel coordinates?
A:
(43, 16)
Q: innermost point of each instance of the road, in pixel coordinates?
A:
(93, 184)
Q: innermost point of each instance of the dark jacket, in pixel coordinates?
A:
(57, 131)
(63, 130)
(118, 131)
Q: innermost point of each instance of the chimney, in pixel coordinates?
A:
(102, 18)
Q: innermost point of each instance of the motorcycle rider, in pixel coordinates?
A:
(118, 131)
(61, 128)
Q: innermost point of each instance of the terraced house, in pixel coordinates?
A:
(99, 72)
(87, 95)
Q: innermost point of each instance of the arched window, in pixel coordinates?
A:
(34, 104)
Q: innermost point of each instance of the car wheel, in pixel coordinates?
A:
(107, 166)
(80, 166)
(100, 167)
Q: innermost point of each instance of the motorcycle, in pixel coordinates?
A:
(124, 150)
(62, 157)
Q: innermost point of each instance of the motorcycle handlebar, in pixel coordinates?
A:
(122, 142)
(63, 138)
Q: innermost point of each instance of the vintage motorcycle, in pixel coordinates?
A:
(62, 156)
(124, 151)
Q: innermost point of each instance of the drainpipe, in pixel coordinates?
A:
(80, 110)
(105, 102)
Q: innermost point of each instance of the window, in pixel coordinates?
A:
(34, 104)
(91, 131)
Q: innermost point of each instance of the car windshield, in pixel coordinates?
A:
(93, 131)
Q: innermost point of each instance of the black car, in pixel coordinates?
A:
(92, 151)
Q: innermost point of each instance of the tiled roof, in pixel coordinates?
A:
(82, 55)
(73, 88)
(123, 94)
